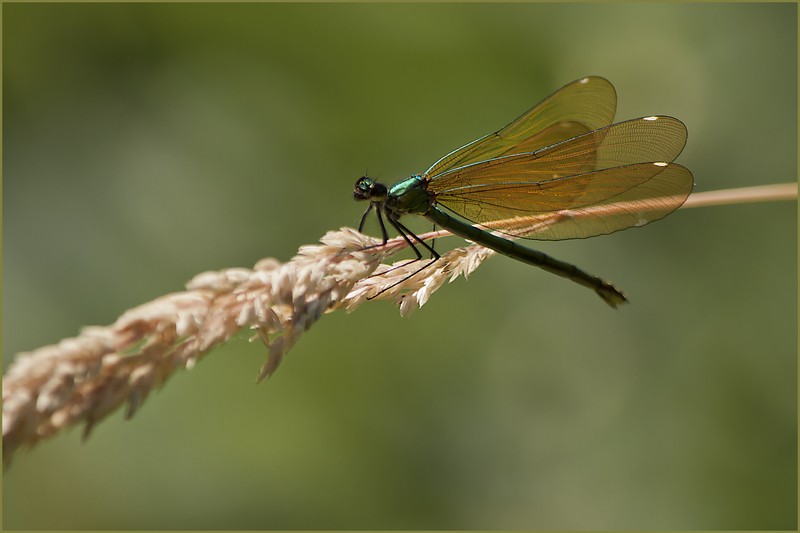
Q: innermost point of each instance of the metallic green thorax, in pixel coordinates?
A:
(409, 196)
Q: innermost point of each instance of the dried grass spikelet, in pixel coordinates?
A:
(85, 378)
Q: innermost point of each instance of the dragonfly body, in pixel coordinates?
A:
(410, 196)
(560, 171)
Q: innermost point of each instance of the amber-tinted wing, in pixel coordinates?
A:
(597, 183)
(579, 107)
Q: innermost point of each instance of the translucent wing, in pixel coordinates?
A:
(579, 107)
(596, 203)
(597, 183)
(639, 140)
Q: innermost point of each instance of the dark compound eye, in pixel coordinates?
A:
(364, 183)
(363, 188)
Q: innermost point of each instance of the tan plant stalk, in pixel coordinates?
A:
(85, 378)
(89, 376)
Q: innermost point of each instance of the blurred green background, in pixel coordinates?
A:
(146, 143)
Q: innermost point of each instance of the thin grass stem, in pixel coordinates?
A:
(86, 378)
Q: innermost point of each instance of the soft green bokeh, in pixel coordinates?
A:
(146, 143)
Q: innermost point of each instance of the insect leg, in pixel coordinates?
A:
(403, 230)
(383, 227)
(364, 219)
